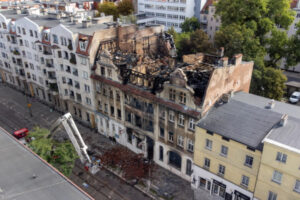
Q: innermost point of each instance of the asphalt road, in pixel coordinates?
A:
(15, 115)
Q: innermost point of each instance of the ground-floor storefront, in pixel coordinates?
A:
(217, 186)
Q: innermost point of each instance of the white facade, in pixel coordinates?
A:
(210, 23)
(215, 185)
(168, 12)
(162, 158)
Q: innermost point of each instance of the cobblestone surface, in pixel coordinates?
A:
(14, 115)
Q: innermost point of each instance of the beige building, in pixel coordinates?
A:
(151, 105)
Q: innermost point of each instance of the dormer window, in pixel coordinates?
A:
(82, 45)
(46, 36)
(182, 98)
(172, 94)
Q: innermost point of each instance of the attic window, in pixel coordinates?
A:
(82, 45)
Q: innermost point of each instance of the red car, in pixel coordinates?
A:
(20, 133)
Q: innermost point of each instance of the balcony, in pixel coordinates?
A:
(49, 65)
(16, 52)
(47, 52)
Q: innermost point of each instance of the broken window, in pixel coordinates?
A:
(171, 137)
(162, 132)
(182, 98)
(161, 153)
(172, 94)
(175, 159)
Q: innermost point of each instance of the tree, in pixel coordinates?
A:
(132, 166)
(125, 7)
(250, 27)
(108, 8)
(272, 82)
(190, 24)
(61, 155)
(193, 42)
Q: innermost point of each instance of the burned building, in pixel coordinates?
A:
(151, 105)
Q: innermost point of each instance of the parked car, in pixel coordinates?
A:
(295, 97)
(20, 133)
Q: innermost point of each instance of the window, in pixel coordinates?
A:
(297, 186)
(181, 120)
(129, 138)
(87, 117)
(118, 96)
(277, 177)
(272, 196)
(221, 170)
(85, 75)
(23, 30)
(192, 124)
(171, 116)
(112, 110)
(161, 153)
(171, 137)
(180, 141)
(109, 72)
(35, 34)
(87, 88)
(59, 54)
(281, 157)
(245, 181)
(55, 39)
(75, 71)
(66, 92)
(82, 45)
(190, 145)
(162, 132)
(88, 101)
(182, 98)
(249, 161)
(208, 144)
(206, 163)
(119, 113)
(31, 33)
(172, 94)
(189, 167)
(83, 61)
(224, 150)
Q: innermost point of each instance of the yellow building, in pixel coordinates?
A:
(247, 148)
(279, 174)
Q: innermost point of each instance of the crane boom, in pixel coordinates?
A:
(74, 135)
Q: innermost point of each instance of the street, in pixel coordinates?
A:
(14, 115)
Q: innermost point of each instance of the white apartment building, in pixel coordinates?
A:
(50, 56)
(208, 21)
(170, 13)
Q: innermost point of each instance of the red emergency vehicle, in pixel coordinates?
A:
(20, 133)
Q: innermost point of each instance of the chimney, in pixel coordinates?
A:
(221, 51)
(225, 98)
(271, 104)
(283, 120)
(224, 61)
(238, 59)
(86, 23)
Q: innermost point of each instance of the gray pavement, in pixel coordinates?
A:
(14, 115)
